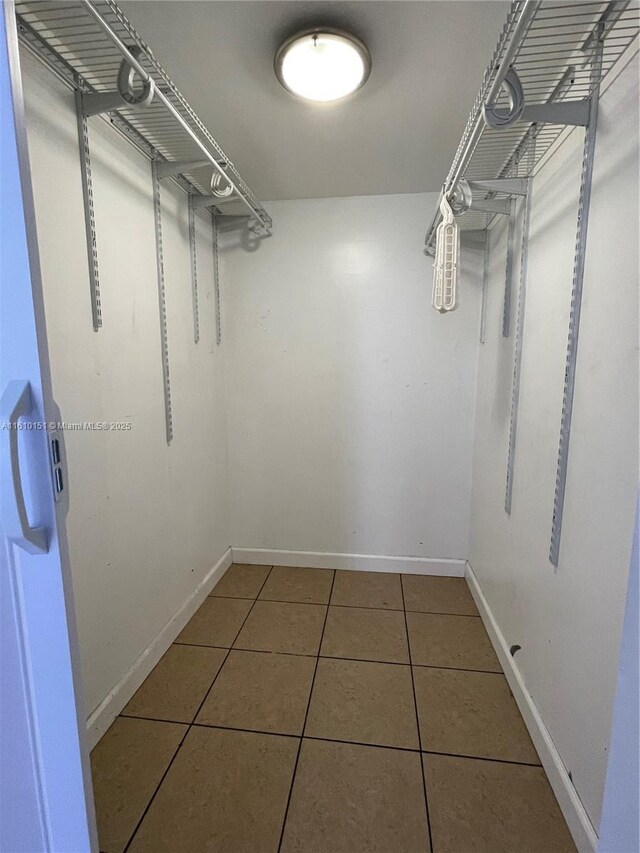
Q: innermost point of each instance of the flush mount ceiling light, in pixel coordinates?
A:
(323, 64)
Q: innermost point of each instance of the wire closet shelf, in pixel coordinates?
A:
(86, 42)
(550, 46)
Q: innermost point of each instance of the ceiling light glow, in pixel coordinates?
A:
(323, 65)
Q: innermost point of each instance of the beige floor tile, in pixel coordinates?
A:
(260, 691)
(276, 627)
(177, 685)
(438, 595)
(356, 799)
(375, 635)
(226, 792)
(241, 581)
(460, 642)
(305, 586)
(489, 807)
(363, 702)
(367, 589)
(470, 713)
(127, 765)
(216, 623)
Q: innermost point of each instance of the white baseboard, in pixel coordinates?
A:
(580, 826)
(354, 562)
(106, 712)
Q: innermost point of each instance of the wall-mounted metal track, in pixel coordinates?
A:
(508, 273)
(89, 213)
(485, 286)
(194, 269)
(216, 278)
(576, 304)
(517, 356)
(162, 305)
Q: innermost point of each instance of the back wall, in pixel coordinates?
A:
(350, 401)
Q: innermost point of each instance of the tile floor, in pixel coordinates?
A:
(316, 711)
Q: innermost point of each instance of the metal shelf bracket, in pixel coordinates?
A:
(501, 206)
(570, 113)
(171, 168)
(508, 186)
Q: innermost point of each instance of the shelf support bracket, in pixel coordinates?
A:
(171, 168)
(573, 113)
(508, 186)
(203, 201)
(501, 206)
(95, 103)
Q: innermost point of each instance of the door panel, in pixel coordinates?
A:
(45, 791)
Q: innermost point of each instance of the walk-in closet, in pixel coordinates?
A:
(319, 399)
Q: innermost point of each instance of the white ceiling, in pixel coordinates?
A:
(398, 134)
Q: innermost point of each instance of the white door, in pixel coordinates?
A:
(45, 784)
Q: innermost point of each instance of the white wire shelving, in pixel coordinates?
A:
(551, 47)
(85, 43)
(96, 52)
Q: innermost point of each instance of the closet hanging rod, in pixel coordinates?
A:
(146, 77)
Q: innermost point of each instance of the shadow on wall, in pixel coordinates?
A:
(237, 234)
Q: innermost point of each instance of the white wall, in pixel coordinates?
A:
(146, 521)
(351, 402)
(568, 621)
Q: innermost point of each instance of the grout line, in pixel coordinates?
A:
(153, 719)
(415, 708)
(458, 668)
(306, 714)
(189, 727)
(232, 597)
(442, 613)
(275, 652)
(355, 660)
(246, 731)
(157, 788)
(482, 758)
(352, 606)
(464, 755)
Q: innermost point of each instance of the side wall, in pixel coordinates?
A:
(146, 522)
(567, 621)
(351, 402)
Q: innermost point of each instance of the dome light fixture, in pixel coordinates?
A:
(322, 64)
